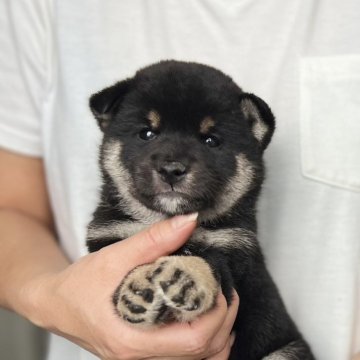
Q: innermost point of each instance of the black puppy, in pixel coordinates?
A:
(182, 138)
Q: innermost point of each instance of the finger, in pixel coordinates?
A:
(222, 336)
(225, 352)
(160, 239)
(186, 340)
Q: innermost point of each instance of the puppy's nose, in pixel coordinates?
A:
(172, 171)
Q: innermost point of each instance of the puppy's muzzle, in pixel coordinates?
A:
(172, 172)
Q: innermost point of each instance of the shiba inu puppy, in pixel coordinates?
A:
(180, 138)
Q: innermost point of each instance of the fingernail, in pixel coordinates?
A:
(182, 220)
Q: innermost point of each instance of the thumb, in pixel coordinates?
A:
(160, 239)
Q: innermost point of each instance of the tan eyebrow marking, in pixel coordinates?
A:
(206, 124)
(154, 118)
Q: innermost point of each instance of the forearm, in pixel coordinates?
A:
(28, 251)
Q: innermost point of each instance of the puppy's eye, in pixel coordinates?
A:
(147, 134)
(211, 140)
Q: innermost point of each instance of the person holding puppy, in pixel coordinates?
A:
(58, 296)
(301, 56)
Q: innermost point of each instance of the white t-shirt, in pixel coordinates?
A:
(301, 56)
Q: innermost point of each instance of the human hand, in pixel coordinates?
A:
(76, 303)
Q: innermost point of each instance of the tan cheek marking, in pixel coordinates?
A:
(154, 118)
(123, 183)
(206, 124)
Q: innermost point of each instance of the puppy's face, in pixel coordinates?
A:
(180, 138)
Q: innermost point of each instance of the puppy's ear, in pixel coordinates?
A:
(104, 103)
(260, 117)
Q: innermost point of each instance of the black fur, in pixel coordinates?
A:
(184, 94)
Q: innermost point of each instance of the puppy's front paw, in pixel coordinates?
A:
(174, 288)
(188, 286)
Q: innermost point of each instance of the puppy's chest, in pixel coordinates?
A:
(201, 240)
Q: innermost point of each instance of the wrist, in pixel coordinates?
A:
(29, 254)
(33, 300)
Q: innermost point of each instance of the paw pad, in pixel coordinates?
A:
(174, 288)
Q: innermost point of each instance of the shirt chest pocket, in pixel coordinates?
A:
(330, 120)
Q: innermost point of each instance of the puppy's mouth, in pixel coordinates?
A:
(171, 193)
(172, 202)
(172, 190)
(170, 198)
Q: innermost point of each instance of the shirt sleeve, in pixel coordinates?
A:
(24, 43)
